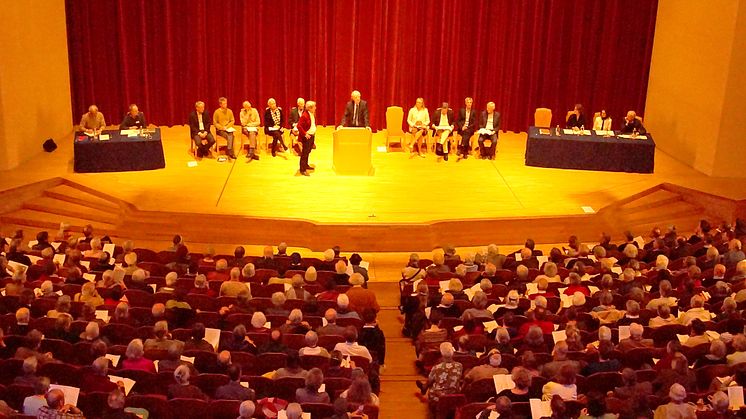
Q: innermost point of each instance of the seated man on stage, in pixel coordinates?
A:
(250, 127)
(92, 122)
(273, 120)
(223, 120)
(418, 120)
(356, 113)
(134, 119)
(488, 131)
(295, 114)
(307, 134)
(199, 130)
(467, 121)
(442, 126)
(632, 124)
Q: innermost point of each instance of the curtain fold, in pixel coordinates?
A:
(164, 55)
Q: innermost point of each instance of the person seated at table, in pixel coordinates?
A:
(576, 117)
(199, 130)
(134, 119)
(92, 122)
(250, 127)
(223, 120)
(418, 120)
(442, 124)
(631, 124)
(273, 125)
(602, 122)
(488, 127)
(295, 113)
(467, 120)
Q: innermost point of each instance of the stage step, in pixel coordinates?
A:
(74, 195)
(51, 222)
(69, 209)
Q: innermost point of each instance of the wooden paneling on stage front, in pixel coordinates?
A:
(409, 204)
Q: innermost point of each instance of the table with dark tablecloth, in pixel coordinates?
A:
(119, 153)
(590, 152)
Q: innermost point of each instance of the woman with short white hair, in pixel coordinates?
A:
(134, 357)
(182, 389)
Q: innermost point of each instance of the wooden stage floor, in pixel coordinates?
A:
(403, 190)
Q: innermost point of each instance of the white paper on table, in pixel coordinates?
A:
(616, 269)
(251, 129)
(503, 382)
(154, 287)
(129, 132)
(128, 383)
(59, 259)
(273, 128)
(585, 132)
(212, 336)
(89, 277)
(230, 129)
(605, 133)
(559, 336)
(322, 388)
(428, 310)
(568, 131)
(17, 267)
(630, 137)
(735, 397)
(109, 248)
(542, 259)
(56, 245)
(532, 288)
(86, 264)
(33, 259)
(682, 338)
(624, 333)
(640, 241)
(155, 363)
(32, 243)
(244, 384)
(283, 415)
(490, 326)
(114, 359)
(443, 286)
(71, 393)
(104, 137)
(540, 408)
(518, 257)
(103, 315)
(189, 359)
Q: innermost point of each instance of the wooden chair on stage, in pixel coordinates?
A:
(394, 121)
(543, 117)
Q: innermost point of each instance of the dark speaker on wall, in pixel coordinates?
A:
(49, 145)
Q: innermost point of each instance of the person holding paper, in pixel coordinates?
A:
(223, 120)
(96, 379)
(520, 393)
(466, 125)
(444, 378)
(57, 409)
(307, 134)
(134, 119)
(418, 120)
(92, 122)
(273, 121)
(442, 125)
(632, 124)
(602, 122)
(356, 112)
(250, 127)
(489, 126)
(234, 390)
(199, 130)
(486, 371)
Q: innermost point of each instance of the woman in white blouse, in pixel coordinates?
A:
(418, 120)
(602, 122)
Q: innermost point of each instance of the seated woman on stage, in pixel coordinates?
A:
(576, 117)
(418, 120)
(273, 120)
(602, 122)
(250, 127)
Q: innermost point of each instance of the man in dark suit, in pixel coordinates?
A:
(356, 112)
(273, 121)
(199, 130)
(466, 126)
(293, 119)
(307, 134)
(632, 123)
(134, 119)
(442, 124)
(489, 126)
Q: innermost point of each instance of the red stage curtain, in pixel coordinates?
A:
(164, 55)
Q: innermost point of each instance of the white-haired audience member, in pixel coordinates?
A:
(343, 308)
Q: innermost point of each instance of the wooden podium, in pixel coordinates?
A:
(352, 152)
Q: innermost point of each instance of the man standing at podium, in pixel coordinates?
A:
(356, 113)
(307, 134)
